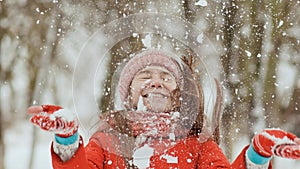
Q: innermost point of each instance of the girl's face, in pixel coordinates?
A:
(151, 88)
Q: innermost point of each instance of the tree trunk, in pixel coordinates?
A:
(270, 100)
(249, 67)
(49, 38)
(2, 33)
(2, 152)
(229, 116)
(270, 96)
(118, 53)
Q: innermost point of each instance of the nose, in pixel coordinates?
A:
(155, 84)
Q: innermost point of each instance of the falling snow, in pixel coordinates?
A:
(201, 3)
(73, 24)
(200, 38)
(248, 53)
(147, 41)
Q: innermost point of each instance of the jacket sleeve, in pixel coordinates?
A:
(241, 162)
(89, 157)
(211, 156)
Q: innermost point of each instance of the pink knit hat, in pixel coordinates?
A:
(142, 60)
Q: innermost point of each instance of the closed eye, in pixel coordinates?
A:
(144, 75)
(167, 77)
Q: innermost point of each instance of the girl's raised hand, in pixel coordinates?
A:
(54, 119)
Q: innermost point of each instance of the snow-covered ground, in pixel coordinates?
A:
(18, 143)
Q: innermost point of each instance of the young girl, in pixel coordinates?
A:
(162, 125)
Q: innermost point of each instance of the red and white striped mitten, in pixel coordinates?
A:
(277, 142)
(54, 119)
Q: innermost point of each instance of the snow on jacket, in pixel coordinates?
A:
(187, 153)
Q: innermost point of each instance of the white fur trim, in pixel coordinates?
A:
(251, 165)
(65, 152)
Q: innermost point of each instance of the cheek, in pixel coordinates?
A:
(171, 86)
(135, 93)
(136, 86)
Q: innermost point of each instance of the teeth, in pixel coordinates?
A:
(149, 94)
(152, 101)
(155, 94)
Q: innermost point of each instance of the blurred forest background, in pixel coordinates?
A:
(257, 44)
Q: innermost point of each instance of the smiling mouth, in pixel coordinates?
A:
(146, 95)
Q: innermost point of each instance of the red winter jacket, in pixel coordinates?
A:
(190, 154)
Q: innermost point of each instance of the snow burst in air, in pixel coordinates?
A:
(147, 41)
(169, 158)
(248, 53)
(280, 23)
(201, 3)
(200, 38)
(135, 35)
(141, 156)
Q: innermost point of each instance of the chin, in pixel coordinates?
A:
(159, 110)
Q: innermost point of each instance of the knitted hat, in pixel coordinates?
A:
(142, 60)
